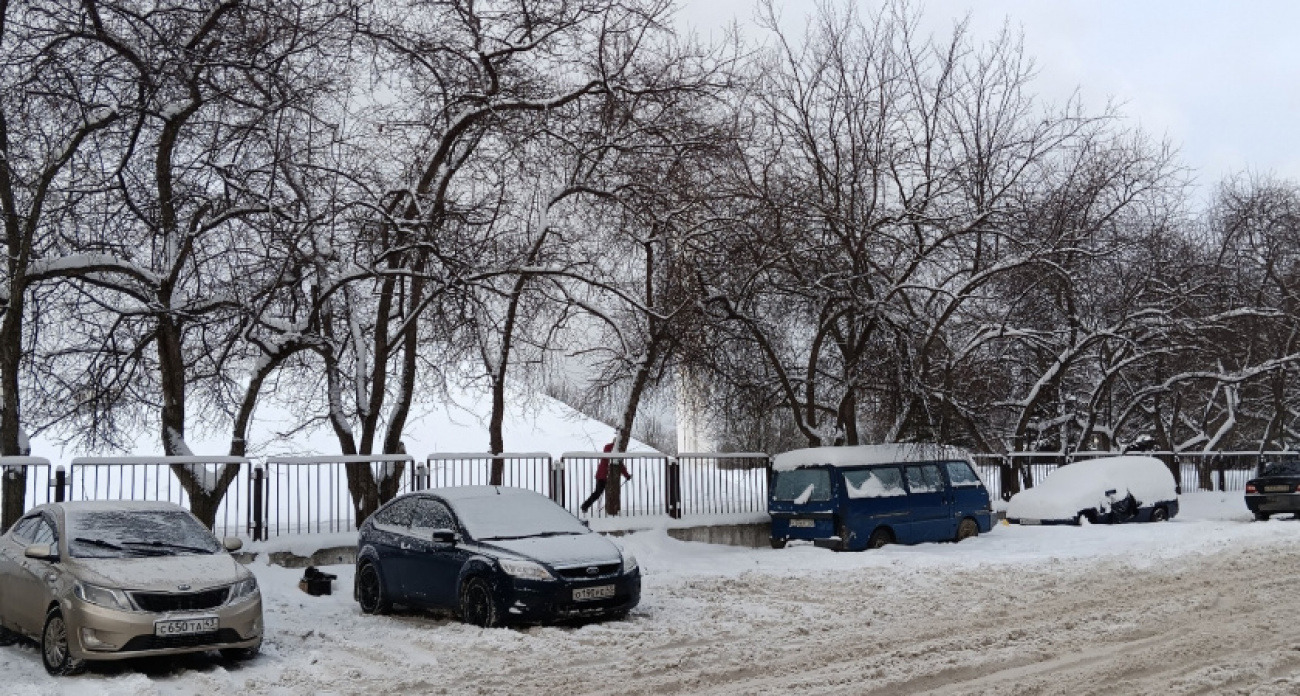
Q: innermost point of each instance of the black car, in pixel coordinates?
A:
(493, 554)
(1275, 489)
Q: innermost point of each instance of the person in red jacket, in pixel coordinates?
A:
(602, 475)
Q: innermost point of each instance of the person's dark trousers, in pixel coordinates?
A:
(595, 495)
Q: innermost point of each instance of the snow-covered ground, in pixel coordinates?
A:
(1204, 604)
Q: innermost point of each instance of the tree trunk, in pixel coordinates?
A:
(13, 488)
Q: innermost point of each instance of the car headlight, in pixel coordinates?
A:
(244, 588)
(629, 561)
(102, 596)
(526, 570)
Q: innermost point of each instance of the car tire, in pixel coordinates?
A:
(55, 652)
(370, 590)
(880, 538)
(1159, 515)
(477, 606)
(966, 529)
(8, 637)
(1261, 516)
(778, 543)
(242, 654)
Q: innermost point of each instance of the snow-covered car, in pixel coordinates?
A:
(494, 555)
(117, 580)
(1275, 490)
(1108, 490)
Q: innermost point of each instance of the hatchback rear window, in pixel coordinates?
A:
(802, 485)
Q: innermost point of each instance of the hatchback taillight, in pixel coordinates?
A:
(1250, 488)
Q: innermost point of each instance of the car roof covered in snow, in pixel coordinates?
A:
(454, 493)
(861, 455)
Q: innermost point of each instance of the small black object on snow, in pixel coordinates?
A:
(316, 583)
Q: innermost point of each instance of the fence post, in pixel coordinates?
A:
(421, 477)
(557, 482)
(258, 481)
(673, 488)
(60, 484)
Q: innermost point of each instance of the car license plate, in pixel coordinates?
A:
(1029, 521)
(1277, 489)
(802, 523)
(185, 627)
(598, 592)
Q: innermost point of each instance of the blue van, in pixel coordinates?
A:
(863, 497)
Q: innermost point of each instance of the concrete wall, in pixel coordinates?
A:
(752, 535)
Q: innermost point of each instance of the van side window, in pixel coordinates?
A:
(883, 482)
(962, 476)
(924, 479)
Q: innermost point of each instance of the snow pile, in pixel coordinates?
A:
(1083, 485)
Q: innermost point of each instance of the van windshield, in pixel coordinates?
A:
(802, 485)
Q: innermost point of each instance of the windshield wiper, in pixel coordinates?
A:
(529, 536)
(115, 547)
(168, 545)
(100, 543)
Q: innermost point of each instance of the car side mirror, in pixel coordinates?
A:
(232, 543)
(41, 552)
(1110, 492)
(444, 536)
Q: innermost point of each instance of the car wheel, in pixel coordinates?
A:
(477, 607)
(1261, 516)
(1159, 515)
(778, 543)
(967, 529)
(8, 637)
(55, 654)
(370, 590)
(880, 538)
(242, 654)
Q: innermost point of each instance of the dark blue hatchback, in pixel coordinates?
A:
(494, 555)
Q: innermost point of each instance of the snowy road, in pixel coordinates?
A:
(1201, 605)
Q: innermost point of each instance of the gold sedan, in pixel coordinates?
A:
(116, 580)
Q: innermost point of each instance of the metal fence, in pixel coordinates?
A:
(151, 478)
(297, 495)
(310, 495)
(646, 493)
(531, 470)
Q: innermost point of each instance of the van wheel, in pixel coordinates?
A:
(842, 531)
(1261, 516)
(880, 538)
(1159, 515)
(778, 543)
(967, 529)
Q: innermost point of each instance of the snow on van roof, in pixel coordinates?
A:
(859, 455)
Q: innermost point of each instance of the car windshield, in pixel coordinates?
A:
(1282, 469)
(802, 485)
(503, 517)
(126, 532)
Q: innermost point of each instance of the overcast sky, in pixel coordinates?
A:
(1220, 79)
